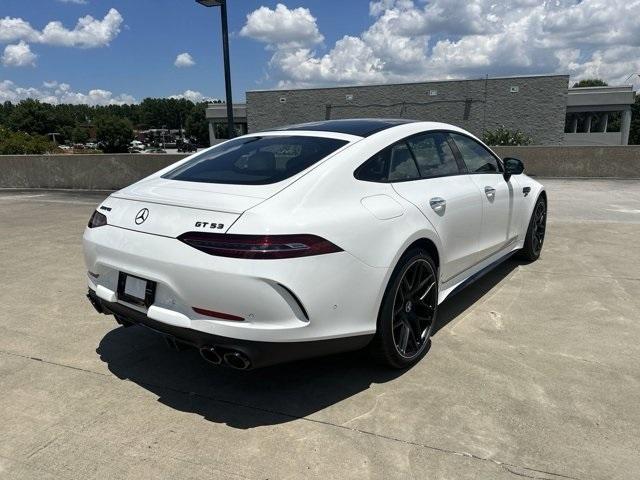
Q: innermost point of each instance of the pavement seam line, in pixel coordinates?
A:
(504, 465)
(571, 274)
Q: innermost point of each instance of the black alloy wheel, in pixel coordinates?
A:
(539, 226)
(408, 311)
(414, 308)
(535, 233)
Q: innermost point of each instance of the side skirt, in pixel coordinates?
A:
(477, 275)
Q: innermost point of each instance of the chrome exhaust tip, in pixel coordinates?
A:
(237, 360)
(211, 355)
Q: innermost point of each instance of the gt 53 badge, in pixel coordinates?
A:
(213, 226)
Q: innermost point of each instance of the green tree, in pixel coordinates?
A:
(5, 110)
(31, 116)
(197, 125)
(20, 143)
(503, 136)
(634, 132)
(590, 82)
(114, 134)
(80, 135)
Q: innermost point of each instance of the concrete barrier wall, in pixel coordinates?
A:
(90, 172)
(577, 161)
(111, 172)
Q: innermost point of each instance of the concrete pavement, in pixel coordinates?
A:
(533, 371)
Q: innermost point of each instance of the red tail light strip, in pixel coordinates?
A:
(259, 247)
(220, 315)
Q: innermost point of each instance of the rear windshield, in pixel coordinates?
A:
(256, 160)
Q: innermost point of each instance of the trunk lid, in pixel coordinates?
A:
(171, 207)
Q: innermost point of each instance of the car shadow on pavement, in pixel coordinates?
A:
(268, 396)
(458, 303)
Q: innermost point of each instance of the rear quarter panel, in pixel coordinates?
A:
(330, 202)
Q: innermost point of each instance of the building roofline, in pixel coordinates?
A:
(371, 85)
(625, 88)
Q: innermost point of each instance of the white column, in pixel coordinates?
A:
(625, 126)
(587, 124)
(604, 121)
(212, 133)
(574, 124)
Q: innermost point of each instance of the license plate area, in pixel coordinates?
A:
(136, 290)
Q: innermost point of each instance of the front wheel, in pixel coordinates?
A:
(535, 233)
(408, 311)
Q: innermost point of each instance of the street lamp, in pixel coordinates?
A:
(225, 51)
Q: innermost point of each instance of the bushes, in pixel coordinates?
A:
(20, 143)
(502, 136)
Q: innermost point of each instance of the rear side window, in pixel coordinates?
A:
(433, 155)
(256, 160)
(476, 157)
(393, 164)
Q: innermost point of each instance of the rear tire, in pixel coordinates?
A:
(408, 311)
(535, 233)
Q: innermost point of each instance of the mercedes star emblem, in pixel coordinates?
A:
(142, 215)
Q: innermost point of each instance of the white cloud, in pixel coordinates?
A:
(193, 95)
(416, 40)
(350, 61)
(57, 93)
(18, 55)
(78, 2)
(282, 26)
(184, 60)
(88, 32)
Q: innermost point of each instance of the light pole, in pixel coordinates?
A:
(225, 51)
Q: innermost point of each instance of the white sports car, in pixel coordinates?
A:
(311, 239)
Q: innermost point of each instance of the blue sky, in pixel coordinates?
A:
(127, 49)
(140, 60)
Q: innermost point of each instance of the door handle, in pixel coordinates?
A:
(489, 191)
(438, 204)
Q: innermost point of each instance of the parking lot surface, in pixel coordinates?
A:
(533, 371)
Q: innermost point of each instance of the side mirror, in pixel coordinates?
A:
(512, 166)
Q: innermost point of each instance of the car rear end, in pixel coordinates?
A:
(167, 253)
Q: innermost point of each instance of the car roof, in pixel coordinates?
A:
(362, 127)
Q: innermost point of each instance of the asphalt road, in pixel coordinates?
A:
(533, 371)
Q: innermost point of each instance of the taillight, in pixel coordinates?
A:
(261, 247)
(97, 220)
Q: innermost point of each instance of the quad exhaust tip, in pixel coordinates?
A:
(211, 355)
(237, 360)
(234, 359)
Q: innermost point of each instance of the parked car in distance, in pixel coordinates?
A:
(311, 239)
(187, 147)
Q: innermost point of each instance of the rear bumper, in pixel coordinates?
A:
(295, 300)
(260, 354)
